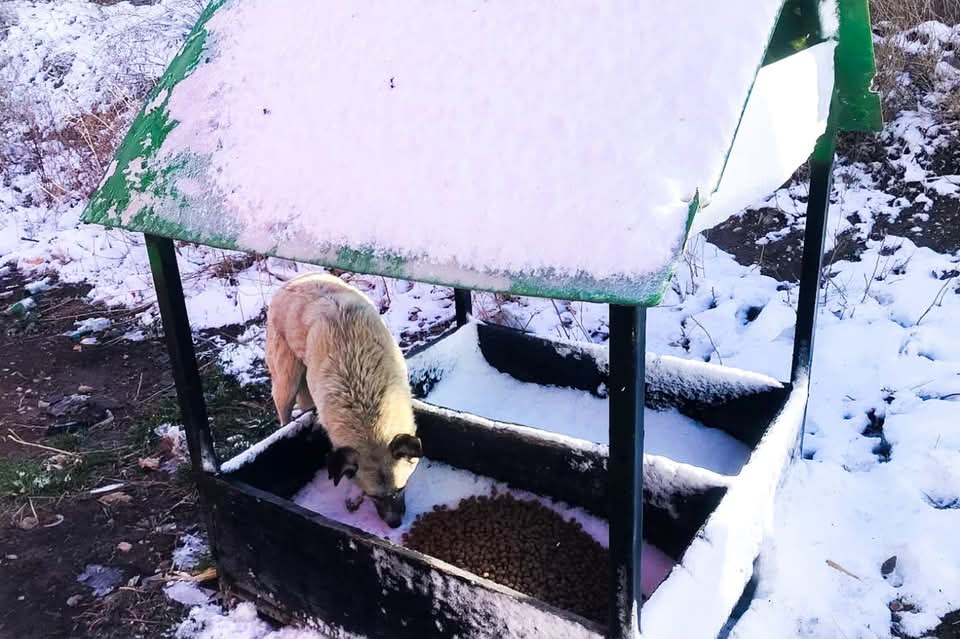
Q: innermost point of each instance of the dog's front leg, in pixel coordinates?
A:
(354, 498)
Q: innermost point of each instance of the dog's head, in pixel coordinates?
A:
(381, 472)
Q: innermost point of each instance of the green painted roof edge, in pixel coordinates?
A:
(855, 106)
(114, 192)
(118, 190)
(746, 100)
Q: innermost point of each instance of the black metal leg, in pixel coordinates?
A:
(625, 466)
(186, 376)
(464, 305)
(818, 205)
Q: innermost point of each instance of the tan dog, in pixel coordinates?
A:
(328, 347)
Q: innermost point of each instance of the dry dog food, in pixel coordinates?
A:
(520, 544)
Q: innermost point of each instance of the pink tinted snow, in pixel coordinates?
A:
(433, 484)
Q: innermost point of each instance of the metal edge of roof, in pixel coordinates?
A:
(854, 106)
(746, 99)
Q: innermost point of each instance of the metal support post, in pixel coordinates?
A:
(464, 305)
(818, 207)
(186, 375)
(625, 466)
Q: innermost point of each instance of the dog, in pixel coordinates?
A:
(328, 349)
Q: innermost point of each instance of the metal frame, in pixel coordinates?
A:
(811, 269)
(811, 265)
(183, 359)
(626, 388)
(463, 303)
(625, 466)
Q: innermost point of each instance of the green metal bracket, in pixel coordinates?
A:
(855, 106)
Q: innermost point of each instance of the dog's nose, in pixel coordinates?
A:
(391, 508)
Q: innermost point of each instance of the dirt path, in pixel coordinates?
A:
(51, 527)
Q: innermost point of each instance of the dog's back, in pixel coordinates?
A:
(327, 342)
(309, 301)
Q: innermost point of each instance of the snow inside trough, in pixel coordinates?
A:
(438, 484)
(470, 384)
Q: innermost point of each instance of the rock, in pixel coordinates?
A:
(68, 406)
(149, 463)
(84, 389)
(124, 546)
(118, 498)
(75, 412)
(888, 566)
(12, 557)
(74, 600)
(28, 523)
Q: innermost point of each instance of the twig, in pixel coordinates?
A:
(560, 317)
(142, 621)
(106, 420)
(139, 386)
(16, 439)
(707, 333)
(937, 299)
(104, 312)
(840, 568)
(876, 266)
(53, 307)
(171, 387)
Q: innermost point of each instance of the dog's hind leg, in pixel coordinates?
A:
(304, 399)
(286, 376)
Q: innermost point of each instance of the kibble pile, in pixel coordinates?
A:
(520, 544)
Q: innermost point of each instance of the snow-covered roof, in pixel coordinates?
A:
(524, 147)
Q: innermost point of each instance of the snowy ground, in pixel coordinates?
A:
(881, 474)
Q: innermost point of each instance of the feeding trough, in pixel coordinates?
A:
(518, 148)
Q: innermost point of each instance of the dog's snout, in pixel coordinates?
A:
(393, 520)
(391, 508)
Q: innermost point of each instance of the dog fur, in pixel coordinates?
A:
(328, 348)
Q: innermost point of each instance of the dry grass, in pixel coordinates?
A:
(904, 14)
(904, 77)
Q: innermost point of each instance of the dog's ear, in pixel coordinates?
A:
(406, 445)
(343, 462)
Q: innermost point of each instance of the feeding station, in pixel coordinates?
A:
(522, 148)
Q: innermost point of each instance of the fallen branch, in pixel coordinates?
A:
(17, 440)
(840, 568)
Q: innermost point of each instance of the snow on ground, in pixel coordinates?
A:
(880, 476)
